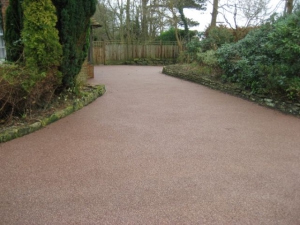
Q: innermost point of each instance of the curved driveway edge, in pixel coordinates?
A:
(155, 150)
(19, 131)
(180, 71)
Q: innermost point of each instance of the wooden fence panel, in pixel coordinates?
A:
(120, 52)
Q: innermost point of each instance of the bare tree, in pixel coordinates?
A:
(107, 18)
(143, 20)
(246, 12)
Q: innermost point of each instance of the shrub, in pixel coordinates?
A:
(15, 96)
(293, 90)
(284, 44)
(267, 59)
(73, 26)
(208, 58)
(192, 48)
(169, 35)
(215, 37)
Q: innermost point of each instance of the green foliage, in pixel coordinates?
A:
(284, 44)
(267, 60)
(215, 37)
(42, 49)
(73, 25)
(170, 35)
(192, 48)
(208, 58)
(13, 27)
(293, 90)
(19, 95)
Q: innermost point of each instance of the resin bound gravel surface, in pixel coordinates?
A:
(155, 150)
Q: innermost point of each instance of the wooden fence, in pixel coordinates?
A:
(118, 52)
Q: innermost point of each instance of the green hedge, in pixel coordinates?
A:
(267, 60)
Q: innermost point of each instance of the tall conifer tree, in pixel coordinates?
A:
(13, 28)
(73, 26)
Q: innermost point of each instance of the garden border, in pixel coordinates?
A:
(88, 97)
(285, 107)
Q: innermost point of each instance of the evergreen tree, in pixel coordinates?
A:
(73, 26)
(42, 50)
(13, 28)
(188, 4)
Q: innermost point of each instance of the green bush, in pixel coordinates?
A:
(16, 98)
(293, 90)
(192, 48)
(208, 58)
(284, 44)
(215, 37)
(267, 60)
(169, 35)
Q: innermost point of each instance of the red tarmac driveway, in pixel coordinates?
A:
(155, 150)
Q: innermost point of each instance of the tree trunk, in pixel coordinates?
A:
(289, 6)
(128, 33)
(184, 20)
(144, 20)
(214, 13)
(128, 21)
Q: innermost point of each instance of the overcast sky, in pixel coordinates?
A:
(204, 18)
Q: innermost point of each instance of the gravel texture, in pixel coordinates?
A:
(155, 150)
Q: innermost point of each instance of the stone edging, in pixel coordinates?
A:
(16, 132)
(285, 107)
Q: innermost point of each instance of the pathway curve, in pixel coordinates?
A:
(155, 150)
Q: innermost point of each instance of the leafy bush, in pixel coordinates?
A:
(215, 37)
(169, 35)
(293, 90)
(208, 58)
(15, 96)
(192, 48)
(284, 44)
(267, 59)
(24, 87)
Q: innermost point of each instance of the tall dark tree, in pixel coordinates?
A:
(73, 26)
(13, 28)
(188, 4)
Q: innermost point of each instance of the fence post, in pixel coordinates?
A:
(104, 52)
(160, 50)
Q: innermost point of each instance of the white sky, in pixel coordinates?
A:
(204, 17)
